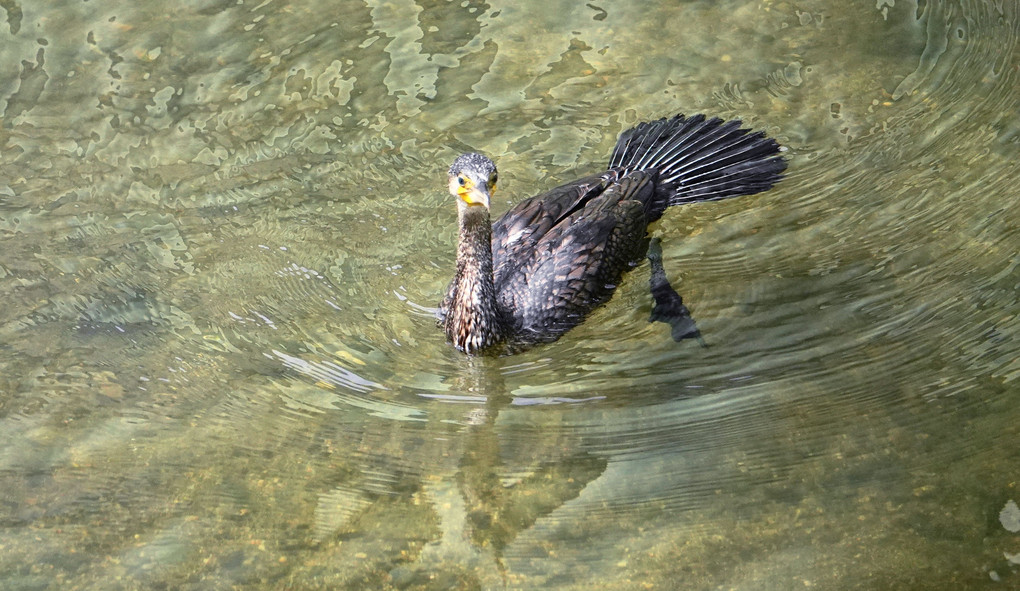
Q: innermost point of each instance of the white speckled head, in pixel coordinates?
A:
(472, 179)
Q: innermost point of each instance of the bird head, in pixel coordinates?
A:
(472, 180)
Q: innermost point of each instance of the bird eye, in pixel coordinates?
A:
(492, 180)
(461, 181)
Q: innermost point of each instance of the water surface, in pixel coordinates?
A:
(223, 226)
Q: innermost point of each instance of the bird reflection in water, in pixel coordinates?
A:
(492, 502)
(468, 488)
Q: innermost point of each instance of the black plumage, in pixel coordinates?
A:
(551, 259)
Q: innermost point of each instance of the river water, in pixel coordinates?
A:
(224, 224)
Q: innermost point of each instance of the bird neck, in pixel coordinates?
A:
(475, 322)
(474, 243)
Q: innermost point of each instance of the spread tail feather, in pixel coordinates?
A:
(699, 159)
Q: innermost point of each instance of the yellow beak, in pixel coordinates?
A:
(473, 196)
(470, 193)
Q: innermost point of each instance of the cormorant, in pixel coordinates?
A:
(547, 262)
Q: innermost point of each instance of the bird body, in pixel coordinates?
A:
(550, 260)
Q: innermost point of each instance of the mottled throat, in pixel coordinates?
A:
(475, 322)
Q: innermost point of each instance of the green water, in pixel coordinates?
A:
(223, 226)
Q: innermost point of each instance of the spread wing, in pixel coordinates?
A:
(518, 231)
(554, 272)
